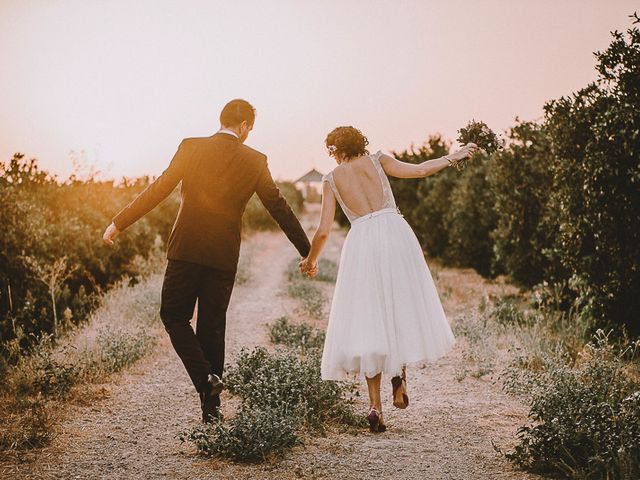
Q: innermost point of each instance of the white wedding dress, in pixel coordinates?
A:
(385, 311)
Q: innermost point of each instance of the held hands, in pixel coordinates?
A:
(109, 234)
(308, 268)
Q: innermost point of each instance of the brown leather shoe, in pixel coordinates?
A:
(210, 399)
(211, 411)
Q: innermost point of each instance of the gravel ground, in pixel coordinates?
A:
(127, 428)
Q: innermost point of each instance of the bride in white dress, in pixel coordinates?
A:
(385, 312)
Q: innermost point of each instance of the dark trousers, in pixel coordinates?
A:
(202, 351)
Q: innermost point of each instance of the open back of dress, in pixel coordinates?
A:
(388, 201)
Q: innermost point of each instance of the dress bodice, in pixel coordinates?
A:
(388, 199)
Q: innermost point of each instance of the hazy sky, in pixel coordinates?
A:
(127, 80)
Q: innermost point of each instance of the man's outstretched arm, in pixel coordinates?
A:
(279, 209)
(151, 196)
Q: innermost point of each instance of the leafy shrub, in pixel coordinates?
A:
(327, 271)
(268, 380)
(256, 217)
(282, 393)
(251, 435)
(119, 349)
(41, 372)
(585, 418)
(46, 221)
(310, 295)
(295, 336)
(32, 428)
(53, 377)
(595, 193)
(428, 218)
(520, 180)
(470, 219)
(507, 313)
(479, 350)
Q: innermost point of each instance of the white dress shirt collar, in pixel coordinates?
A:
(229, 132)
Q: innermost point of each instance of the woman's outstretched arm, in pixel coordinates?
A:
(327, 214)
(396, 168)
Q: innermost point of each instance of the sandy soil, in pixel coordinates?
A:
(446, 433)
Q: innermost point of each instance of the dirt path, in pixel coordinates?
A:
(446, 433)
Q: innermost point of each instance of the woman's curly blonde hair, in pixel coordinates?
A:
(349, 142)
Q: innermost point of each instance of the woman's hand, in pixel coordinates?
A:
(308, 268)
(467, 151)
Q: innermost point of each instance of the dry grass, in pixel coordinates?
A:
(35, 391)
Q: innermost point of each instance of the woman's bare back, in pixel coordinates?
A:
(359, 185)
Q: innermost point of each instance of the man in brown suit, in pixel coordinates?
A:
(219, 174)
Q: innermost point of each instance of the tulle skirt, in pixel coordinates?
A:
(385, 311)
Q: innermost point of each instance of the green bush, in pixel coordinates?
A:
(251, 435)
(33, 428)
(268, 380)
(470, 219)
(423, 201)
(520, 181)
(121, 348)
(53, 377)
(304, 336)
(310, 295)
(48, 222)
(256, 217)
(585, 418)
(595, 195)
(478, 352)
(282, 394)
(506, 312)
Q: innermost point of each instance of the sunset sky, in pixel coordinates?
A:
(126, 81)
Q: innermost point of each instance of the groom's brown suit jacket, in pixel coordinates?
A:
(219, 175)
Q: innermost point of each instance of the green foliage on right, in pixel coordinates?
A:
(558, 206)
(585, 417)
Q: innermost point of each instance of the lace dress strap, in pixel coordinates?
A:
(351, 215)
(389, 200)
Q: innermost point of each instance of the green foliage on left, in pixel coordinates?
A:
(51, 249)
(47, 223)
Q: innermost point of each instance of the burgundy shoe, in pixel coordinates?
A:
(375, 421)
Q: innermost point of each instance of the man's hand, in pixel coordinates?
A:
(110, 233)
(308, 268)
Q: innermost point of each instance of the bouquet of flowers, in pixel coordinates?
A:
(480, 134)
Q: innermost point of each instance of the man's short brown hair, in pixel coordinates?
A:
(237, 111)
